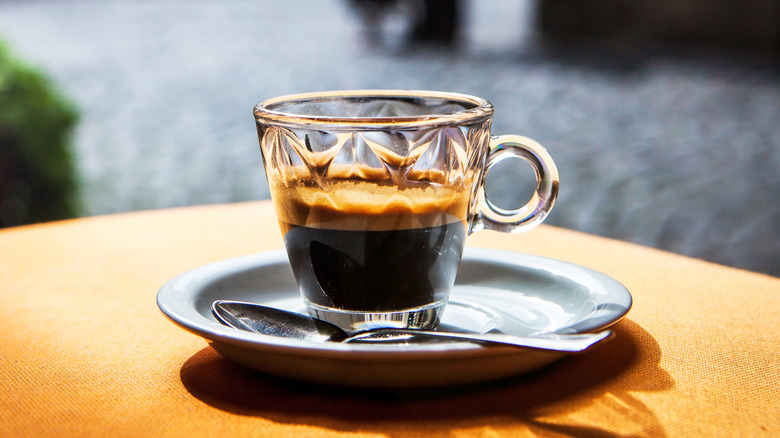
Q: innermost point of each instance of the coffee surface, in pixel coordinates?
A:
(368, 206)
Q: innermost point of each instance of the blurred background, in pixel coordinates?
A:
(663, 116)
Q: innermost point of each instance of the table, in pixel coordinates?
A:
(86, 352)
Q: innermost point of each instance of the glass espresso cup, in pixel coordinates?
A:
(375, 192)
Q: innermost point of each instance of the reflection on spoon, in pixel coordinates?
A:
(276, 322)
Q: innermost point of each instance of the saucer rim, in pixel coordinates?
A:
(180, 292)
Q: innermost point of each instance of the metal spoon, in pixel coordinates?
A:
(277, 322)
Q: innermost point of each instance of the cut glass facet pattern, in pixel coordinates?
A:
(441, 155)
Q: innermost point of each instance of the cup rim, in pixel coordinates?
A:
(264, 113)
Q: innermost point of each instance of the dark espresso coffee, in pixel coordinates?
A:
(364, 247)
(376, 271)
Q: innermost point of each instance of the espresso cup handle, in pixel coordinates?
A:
(490, 217)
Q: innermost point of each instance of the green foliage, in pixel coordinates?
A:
(37, 173)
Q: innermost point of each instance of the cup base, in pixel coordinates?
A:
(423, 318)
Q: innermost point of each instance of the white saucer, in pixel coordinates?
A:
(495, 290)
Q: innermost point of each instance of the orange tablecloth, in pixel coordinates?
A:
(86, 352)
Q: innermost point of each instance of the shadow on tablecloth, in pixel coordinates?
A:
(596, 386)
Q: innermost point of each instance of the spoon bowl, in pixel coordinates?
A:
(276, 322)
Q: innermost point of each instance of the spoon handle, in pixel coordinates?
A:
(569, 343)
